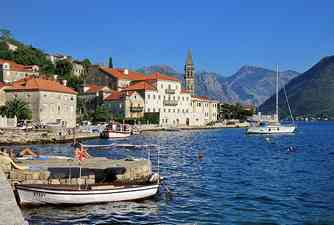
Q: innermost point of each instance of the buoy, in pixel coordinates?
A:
(291, 149)
(200, 156)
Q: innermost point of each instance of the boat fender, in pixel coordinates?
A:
(154, 177)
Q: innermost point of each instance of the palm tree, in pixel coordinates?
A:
(17, 107)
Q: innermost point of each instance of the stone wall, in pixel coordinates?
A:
(9, 210)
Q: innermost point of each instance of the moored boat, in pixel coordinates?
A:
(116, 131)
(32, 194)
(115, 134)
(274, 127)
(271, 129)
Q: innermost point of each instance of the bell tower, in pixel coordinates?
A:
(189, 74)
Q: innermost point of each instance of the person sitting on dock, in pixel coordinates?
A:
(80, 152)
(25, 152)
(28, 152)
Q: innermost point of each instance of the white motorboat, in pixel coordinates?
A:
(274, 127)
(115, 134)
(116, 131)
(38, 194)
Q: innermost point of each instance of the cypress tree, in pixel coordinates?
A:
(110, 63)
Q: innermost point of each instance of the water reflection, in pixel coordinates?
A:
(117, 212)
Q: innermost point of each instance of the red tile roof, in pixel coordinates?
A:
(38, 84)
(141, 85)
(119, 74)
(2, 85)
(94, 88)
(158, 76)
(17, 67)
(115, 95)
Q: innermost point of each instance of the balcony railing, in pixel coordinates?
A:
(136, 108)
(170, 102)
(170, 91)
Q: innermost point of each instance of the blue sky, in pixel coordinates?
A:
(223, 35)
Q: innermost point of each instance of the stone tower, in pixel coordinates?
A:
(189, 74)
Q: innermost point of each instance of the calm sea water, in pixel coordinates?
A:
(240, 180)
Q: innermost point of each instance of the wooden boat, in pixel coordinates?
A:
(38, 194)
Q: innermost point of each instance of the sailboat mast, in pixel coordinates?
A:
(277, 92)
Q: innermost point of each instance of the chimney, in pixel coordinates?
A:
(64, 82)
(126, 72)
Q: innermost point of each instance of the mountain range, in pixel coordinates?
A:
(309, 94)
(250, 84)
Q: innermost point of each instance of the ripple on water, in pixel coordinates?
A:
(239, 180)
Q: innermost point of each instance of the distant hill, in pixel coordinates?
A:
(164, 69)
(254, 84)
(249, 85)
(311, 93)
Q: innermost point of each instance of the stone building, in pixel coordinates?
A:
(92, 96)
(11, 47)
(78, 69)
(11, 71)
(189, 74)
(3, 86)
(125, 104)
(116, 79)
(50, 101)
(204, 110)
(54, 58)
(163, 97)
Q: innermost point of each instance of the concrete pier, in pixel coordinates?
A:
(94, 170)
(22, 137)
(10, 213)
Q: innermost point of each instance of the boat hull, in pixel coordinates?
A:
(272, 130)
(113, 134)
(34, 195)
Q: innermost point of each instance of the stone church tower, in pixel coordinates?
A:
(189, 74)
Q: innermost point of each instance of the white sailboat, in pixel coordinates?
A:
(274, 127)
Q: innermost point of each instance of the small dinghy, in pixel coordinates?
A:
(37, 194)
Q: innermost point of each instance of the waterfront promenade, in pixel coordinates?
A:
(18, 137)
(10, 211)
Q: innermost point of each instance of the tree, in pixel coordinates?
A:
(110, 63)
(86, 62)
(101, 114)
(64, 68)
(16, 107)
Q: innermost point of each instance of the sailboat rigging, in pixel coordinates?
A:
(275, 127)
